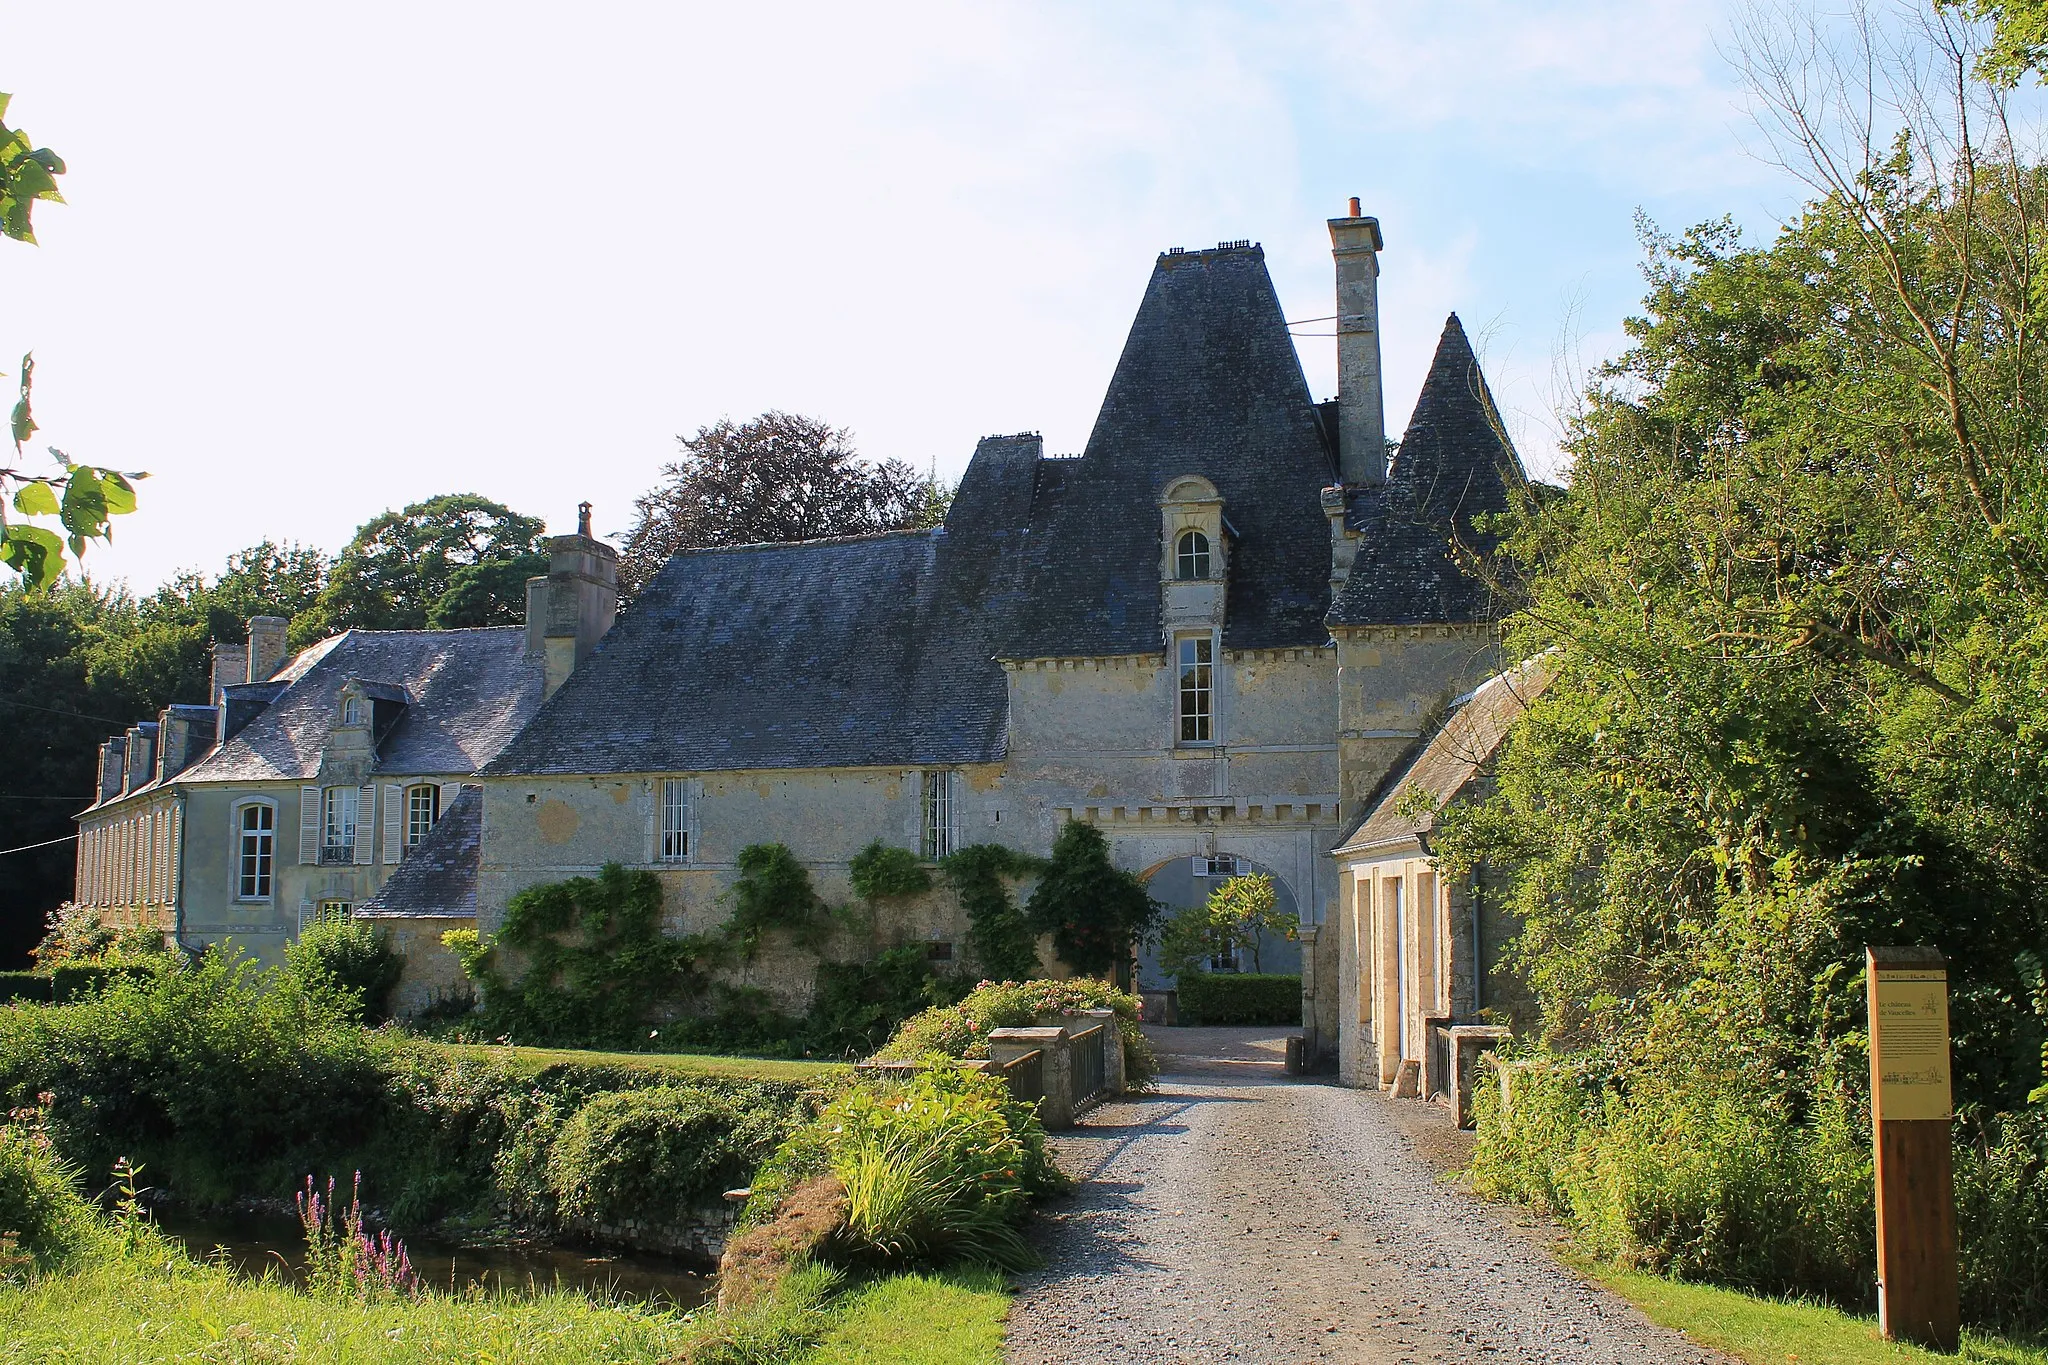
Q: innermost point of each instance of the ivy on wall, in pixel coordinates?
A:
(881, 871)
(998, 935)
(774, 891)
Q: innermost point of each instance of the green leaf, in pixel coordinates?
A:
(36, 499)
(32, 552)
(119, 493)
(23, 422)
(85, 507)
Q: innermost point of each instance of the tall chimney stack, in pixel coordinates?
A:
(266, 646)
(581, 596)
(1355, 242)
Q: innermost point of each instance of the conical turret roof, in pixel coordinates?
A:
(1454, 464)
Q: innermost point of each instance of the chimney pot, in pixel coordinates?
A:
(583, 519)
(1354, 207)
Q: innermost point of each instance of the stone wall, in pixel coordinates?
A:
(431, 973)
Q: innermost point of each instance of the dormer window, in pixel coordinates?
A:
(1191, 557)
(351, 710)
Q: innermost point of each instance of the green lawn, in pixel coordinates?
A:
(531, 1059)
(156, 1304)
(918, 1320)
(1775, 1332)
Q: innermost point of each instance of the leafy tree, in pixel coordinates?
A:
(1238, 915)
(779, 477)
(81, 497)
(1797, 598)
(1094, 910)
(400, 567)
(492, 593)
(2019, 45)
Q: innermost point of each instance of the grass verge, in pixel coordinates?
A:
(530, 1060)
(1778, 1331)
(155, 1304)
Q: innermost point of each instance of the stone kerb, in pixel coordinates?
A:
(1006, 1045)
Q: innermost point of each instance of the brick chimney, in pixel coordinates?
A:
(1361, 403)
(141, 756)
(578, 601)
(266, 646)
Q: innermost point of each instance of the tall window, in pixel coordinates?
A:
(255, 851)
(675, 820)
(352, 710)
(338, 844)
(1196, 695)
(422, 809)
(1191, 558)
(938, 814)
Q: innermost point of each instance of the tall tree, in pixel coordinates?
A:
(779, 477)
(400, 566)
(1095, 911)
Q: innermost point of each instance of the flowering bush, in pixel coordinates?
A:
(962, 1030)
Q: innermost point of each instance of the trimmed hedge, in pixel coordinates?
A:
(71, 981)
(35, 986)
(1217, 998)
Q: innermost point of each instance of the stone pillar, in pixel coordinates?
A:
(1355, 242)
(1006, 1045)
(1112, 1049)
(141, 749)
(230, 666)
(113, 766)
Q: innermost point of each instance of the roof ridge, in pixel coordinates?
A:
(903, 531)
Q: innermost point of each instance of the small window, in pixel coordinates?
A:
(939, 952)
(1196, 666)
(938, 815)
(351, 710)
(675, 820)
(1191, 558)
(331, 911)
(422, 810)
(255, 852)
(338, 842)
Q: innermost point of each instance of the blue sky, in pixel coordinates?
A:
(317, 263)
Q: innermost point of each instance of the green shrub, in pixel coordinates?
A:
(657, 1154)
(937, 1168)
(2002, 1222)
(349, 955)
(31, 986)
(43, 1220)
(1094, 910)
(1693, 1176)
(1239, 998)
(962, 1030)
(880, 870)
(71, 981)
(857, 1005)
(210, 1075)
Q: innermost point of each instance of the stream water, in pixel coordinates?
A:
(257, 1242)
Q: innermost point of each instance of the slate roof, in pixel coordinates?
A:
(439, 874)
(470, 691)
(1209, 384)
(870, 650)
(1452, 757)
(1454, 463)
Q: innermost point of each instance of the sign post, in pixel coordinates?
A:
(1910, 1106)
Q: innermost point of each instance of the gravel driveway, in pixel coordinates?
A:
(1238, 1215)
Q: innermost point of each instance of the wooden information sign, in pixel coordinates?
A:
(1910, 1105)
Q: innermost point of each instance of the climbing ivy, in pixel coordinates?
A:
(774, 892)
(880, 870)
(596, 960)
(997, 933)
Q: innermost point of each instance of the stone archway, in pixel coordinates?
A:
(1174, 883)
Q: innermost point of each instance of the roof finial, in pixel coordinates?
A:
(583, 520)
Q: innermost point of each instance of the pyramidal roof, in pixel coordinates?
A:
(1208, 384)
(1454, 464)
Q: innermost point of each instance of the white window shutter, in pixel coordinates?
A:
(309, 824)
(449, 791)
(1201, 868)
(913, 828)
(366, 825)
(394, 823)
(956, 787)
